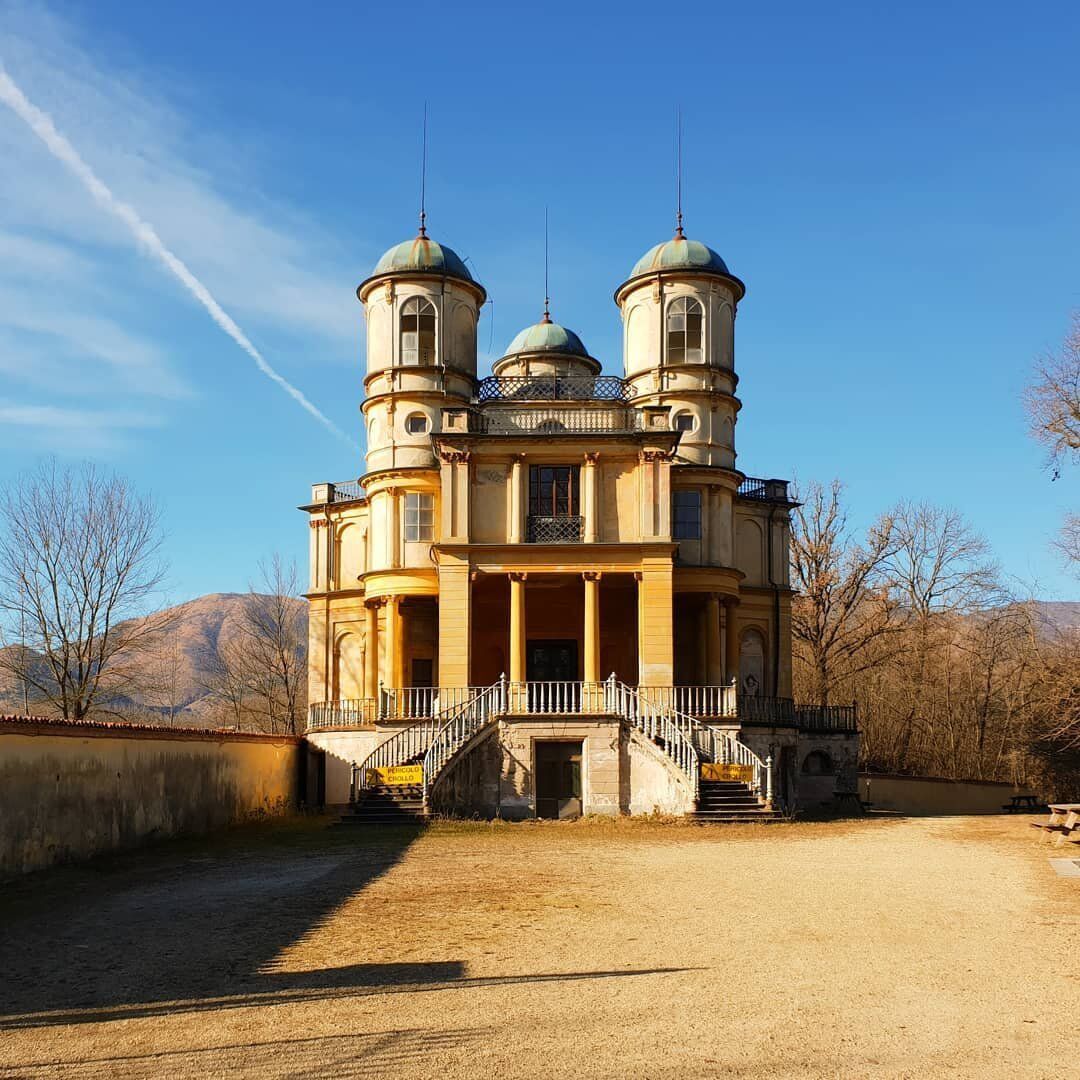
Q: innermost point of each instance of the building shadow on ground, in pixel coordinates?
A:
(203, 933)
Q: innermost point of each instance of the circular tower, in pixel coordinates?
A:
(678, 311)
(421, 305)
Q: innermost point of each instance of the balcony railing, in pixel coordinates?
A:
(754, 487)
(552, 388)
(347, 712)
(612, 420)
(346, 491)
(554, 530)
(827, 717)
(708, 703)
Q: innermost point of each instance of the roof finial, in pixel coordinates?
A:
(423, 177)
(547, 298)
(679, 235)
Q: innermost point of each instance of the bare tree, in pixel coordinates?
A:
(844, 606)
(79, 568)
(260, 674)
(1053, 400)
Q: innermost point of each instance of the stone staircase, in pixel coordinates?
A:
(402, 805)
(727, 801)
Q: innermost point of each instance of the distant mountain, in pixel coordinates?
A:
(181, 664)
(1060, 614)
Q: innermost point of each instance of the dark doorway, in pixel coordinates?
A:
(551, 661)
(558, 779)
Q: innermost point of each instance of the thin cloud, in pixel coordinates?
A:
(146, 236)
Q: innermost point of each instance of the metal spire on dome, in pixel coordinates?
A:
(423, 177)
(547, 298)
(679, 234)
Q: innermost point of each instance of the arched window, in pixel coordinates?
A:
(684, 319)
(818, 763)
(418, 332)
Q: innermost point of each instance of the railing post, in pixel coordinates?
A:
(502, 693)
(768, 782)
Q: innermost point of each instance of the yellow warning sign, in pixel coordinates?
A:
(711, 771)
(395, 775)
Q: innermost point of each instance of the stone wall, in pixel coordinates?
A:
(621, 772)
(72, 790)
(929, 795)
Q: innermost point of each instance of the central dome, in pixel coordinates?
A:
(677, 254)
(547, 336)
(546, 349)
(425, 255)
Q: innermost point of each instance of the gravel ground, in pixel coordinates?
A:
(883, 947)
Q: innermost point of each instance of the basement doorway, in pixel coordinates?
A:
(558, 779)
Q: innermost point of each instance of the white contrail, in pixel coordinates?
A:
(42, 126)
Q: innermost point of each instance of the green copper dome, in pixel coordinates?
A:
(547, 337)
(680, 254)
(425, 255)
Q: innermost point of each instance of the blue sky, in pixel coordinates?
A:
(898, 188)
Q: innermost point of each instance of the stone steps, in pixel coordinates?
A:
(730, 802)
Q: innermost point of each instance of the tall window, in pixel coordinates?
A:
(418, 332)
(419, 516)
(554, 491)
(686, 515)
(684, 319)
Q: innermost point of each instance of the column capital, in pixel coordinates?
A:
(592, 575)
(592, 457)
(375, 603)
(517, 575)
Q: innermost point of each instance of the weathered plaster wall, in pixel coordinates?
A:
(653, 784)
(920, 795)
(342, 749)
(69, 791)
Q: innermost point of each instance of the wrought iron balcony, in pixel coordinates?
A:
(346, 491)
(552, 388)
(754, 487)
(554, 530)
(613, 420)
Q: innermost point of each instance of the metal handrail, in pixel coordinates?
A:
(657, 720)
(459, 729)
(827, 717)
(434, 705)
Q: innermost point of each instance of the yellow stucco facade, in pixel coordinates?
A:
(549, 502)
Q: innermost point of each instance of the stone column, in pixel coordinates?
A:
(590, 498)
(517, 500)
(393, 643)
(401, 674)
(371, 649)
(731, 641)
(517, 628)
(714, 655)
(592, 627)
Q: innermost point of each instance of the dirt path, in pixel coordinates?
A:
(912, 948)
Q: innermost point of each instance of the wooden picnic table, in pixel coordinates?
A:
(1019, 803)
(1064, 823)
